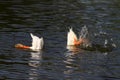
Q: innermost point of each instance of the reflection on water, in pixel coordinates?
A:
(73, 50)
(69, 65)
(85, 65)
(72, 65)
(70, 62)
(35, 63)
(36, 57)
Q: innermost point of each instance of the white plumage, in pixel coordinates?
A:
(37, 43)
(70, 37)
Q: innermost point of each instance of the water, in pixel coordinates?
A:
(84, 32)
(52, 19)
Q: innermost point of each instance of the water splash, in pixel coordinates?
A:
(100, 40)
(113, 44)
(106, 42)
(84, 32)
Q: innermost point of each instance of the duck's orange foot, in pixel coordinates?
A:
(78, 42)
(21, 46)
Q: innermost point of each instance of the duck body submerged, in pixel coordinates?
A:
(37, 44)
(85, 44)
(72, 39)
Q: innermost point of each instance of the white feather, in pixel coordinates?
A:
(37, 43)
(70, 37)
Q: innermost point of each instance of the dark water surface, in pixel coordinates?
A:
(52, 19)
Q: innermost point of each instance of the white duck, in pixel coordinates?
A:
(37, 44)
(72, 39)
